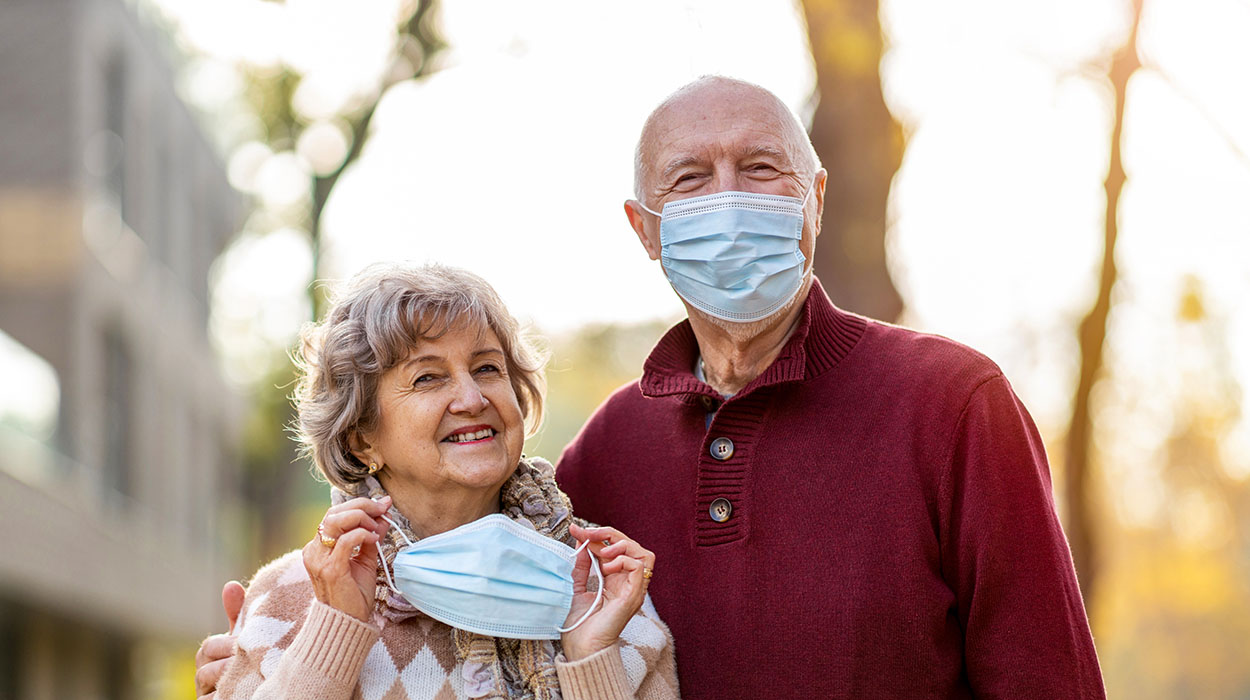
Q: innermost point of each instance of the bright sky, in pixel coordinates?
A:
(515, 158)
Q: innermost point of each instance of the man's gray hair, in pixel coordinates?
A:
(375, 322)
(805, 156)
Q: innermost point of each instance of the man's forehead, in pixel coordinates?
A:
(699, 141)
(721, 118)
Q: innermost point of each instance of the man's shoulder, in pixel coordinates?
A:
(623, 411)
(922, 358)
(626, 401)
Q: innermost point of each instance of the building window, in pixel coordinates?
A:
(118, 413)
(30, 395)
(115, 100)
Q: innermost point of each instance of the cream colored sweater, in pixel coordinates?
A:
(290, 645)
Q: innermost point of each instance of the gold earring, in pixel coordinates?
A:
(374, 468)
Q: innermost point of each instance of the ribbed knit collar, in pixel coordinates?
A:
(824, 335)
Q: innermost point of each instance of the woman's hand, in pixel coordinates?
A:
(623, 562)
(342, 560)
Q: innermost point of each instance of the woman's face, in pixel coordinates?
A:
(449, 421)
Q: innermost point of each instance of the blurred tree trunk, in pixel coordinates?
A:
(861, 146)
(1092, 335)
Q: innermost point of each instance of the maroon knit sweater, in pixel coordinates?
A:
(892, 533)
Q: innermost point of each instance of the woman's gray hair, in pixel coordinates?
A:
(375, 321)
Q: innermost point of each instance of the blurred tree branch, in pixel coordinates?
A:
(1204, 111)
(418, 43)
(1092, 334)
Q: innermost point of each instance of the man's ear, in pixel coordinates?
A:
(822, 178)
(637, 220)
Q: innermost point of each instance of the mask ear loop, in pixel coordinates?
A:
(594, 564)
(386, 570)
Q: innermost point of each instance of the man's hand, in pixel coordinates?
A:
(214, 652)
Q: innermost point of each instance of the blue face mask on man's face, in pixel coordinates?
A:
(734, 255)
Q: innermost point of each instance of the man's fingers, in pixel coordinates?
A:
(216, 647)
(207, 676)
(232, 595)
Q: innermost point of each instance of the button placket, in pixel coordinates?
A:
(722, 496)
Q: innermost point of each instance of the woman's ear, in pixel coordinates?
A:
(361, 449)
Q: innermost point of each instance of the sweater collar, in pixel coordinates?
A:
(824, 335)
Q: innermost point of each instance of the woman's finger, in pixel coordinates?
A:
(637, 587)
(624, 545)
(627, 595)
(375, 509)
(350, 544)
(335, 524)
(581, 571)
(618, 564)
(604, 534)
(616, 542)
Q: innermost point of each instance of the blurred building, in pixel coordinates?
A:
(118, 435)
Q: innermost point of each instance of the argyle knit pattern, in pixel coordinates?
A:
(289, 645)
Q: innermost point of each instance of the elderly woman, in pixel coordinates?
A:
(449, 565)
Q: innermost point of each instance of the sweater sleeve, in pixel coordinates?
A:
(1004, 554)
(641, 665)
(290, 646)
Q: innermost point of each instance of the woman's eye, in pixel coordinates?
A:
(423, 379)
(488, 368)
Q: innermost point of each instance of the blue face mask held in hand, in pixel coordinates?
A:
(733, 255)
(493, 576)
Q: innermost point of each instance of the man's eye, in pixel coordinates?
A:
(762, 168)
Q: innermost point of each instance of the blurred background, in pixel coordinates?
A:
(1065, 186)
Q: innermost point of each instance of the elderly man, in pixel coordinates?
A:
(839, 507)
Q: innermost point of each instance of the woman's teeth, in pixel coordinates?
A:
(470, 437)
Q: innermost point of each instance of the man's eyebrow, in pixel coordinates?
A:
(769, 151)
(682, 162)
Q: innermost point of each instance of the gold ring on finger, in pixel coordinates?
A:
(646, 573)
(326, 540)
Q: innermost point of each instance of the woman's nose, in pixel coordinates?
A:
(469, 397)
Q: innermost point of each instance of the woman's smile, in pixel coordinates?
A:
(471, 435)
